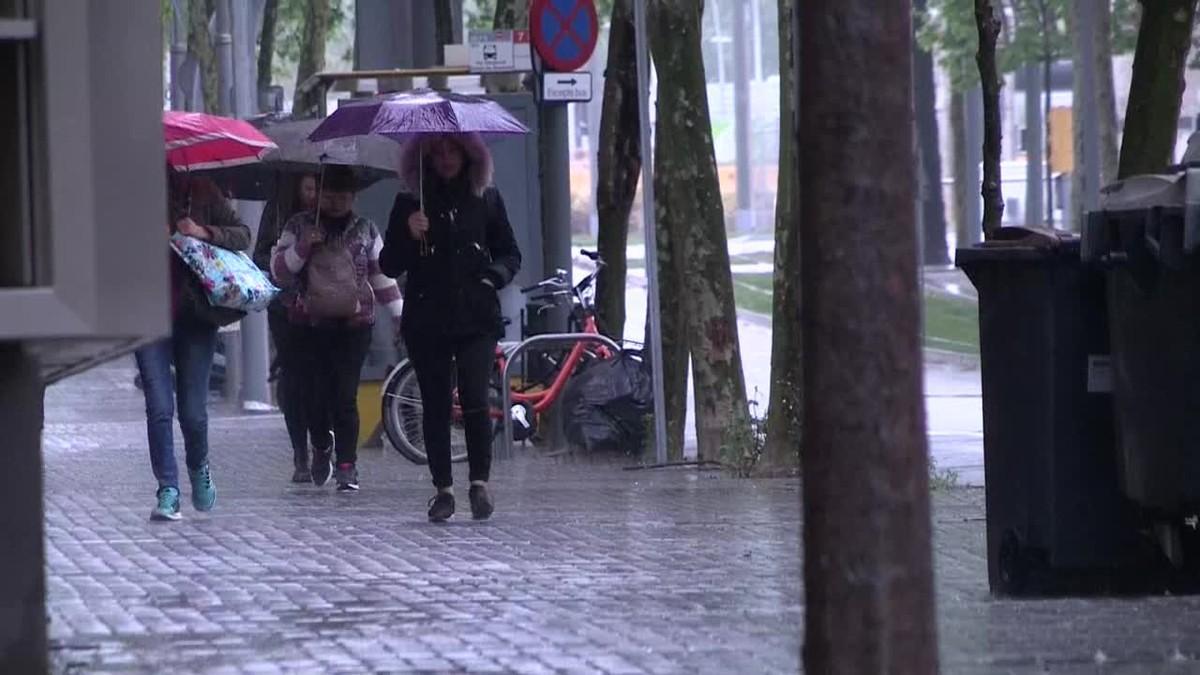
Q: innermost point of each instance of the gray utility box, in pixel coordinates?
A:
(83, 276)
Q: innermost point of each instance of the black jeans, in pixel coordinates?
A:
(331, 360)
(293, 388)
(436, 363)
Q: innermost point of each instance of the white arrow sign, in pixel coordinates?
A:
(567, 87)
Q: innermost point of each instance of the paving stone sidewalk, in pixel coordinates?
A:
(585, 568)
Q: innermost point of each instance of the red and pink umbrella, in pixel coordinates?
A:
(196, 141)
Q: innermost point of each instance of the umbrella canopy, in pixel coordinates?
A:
(197, 141)
(419, 112)
(373, 158)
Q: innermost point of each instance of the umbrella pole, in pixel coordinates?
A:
(320, 190)
(421, 187)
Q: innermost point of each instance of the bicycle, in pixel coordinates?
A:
(401, 398)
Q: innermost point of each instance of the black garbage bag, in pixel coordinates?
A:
(606, 405)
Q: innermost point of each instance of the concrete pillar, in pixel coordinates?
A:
(22, 567)
(254, 344)
(383, 38)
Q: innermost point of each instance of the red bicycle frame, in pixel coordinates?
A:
(541, 401)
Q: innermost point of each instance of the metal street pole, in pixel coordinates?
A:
(224, 46)
(974, 155)
(1034, 145)
(741, 114)
(1090, 161)
(178, 53)
(654, 339)
(255, 345)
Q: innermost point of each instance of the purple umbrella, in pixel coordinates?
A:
(419, 112)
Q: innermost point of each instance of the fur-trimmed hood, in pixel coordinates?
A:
(479, 166)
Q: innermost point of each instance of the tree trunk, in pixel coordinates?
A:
(987, 22)
(201, 48)
(676, 345)
(929, 154)
(962, 191)
(510, 14)
(619, 163)
(266, 45)
(868, 578)
(1156, 90)
(689, 208)
(784, 421)
(312, 58)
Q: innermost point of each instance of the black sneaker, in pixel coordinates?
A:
(347, 477)
(302, 473)
(441, 507)
(322, 466)
(481, 502)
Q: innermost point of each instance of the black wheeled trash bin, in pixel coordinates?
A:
(1146, 234)
(1055, 518)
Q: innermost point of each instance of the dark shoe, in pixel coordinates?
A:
(322, 466)
(302, 474)
(481, 502)
(441, 507)
(347, 477)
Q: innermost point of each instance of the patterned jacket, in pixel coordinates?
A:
(364, 242)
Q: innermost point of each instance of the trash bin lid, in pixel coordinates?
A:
(1020, 243)
(1143, 192)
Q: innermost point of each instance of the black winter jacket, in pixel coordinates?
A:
(470, 240)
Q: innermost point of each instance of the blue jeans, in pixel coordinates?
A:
(190, 349)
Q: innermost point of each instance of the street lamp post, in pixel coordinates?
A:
(654, 338)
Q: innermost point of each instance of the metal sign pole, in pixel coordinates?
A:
(1089, 163)
(654, 339)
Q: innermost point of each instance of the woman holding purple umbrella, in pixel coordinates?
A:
(450, 233)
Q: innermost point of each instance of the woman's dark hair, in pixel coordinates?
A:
(295, 186)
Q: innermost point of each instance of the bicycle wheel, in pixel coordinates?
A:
(402, 418)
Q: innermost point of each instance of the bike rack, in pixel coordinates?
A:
(547, 339)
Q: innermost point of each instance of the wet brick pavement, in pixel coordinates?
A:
(585, 568)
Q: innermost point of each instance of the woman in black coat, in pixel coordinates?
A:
(458, 252)
(298, 195)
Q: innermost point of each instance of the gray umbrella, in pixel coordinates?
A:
(373, 158)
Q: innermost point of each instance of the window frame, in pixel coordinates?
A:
(62, 300)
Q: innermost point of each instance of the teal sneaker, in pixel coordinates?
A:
(168, 505)
(204, 493)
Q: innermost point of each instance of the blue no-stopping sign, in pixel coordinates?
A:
(564, 32)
